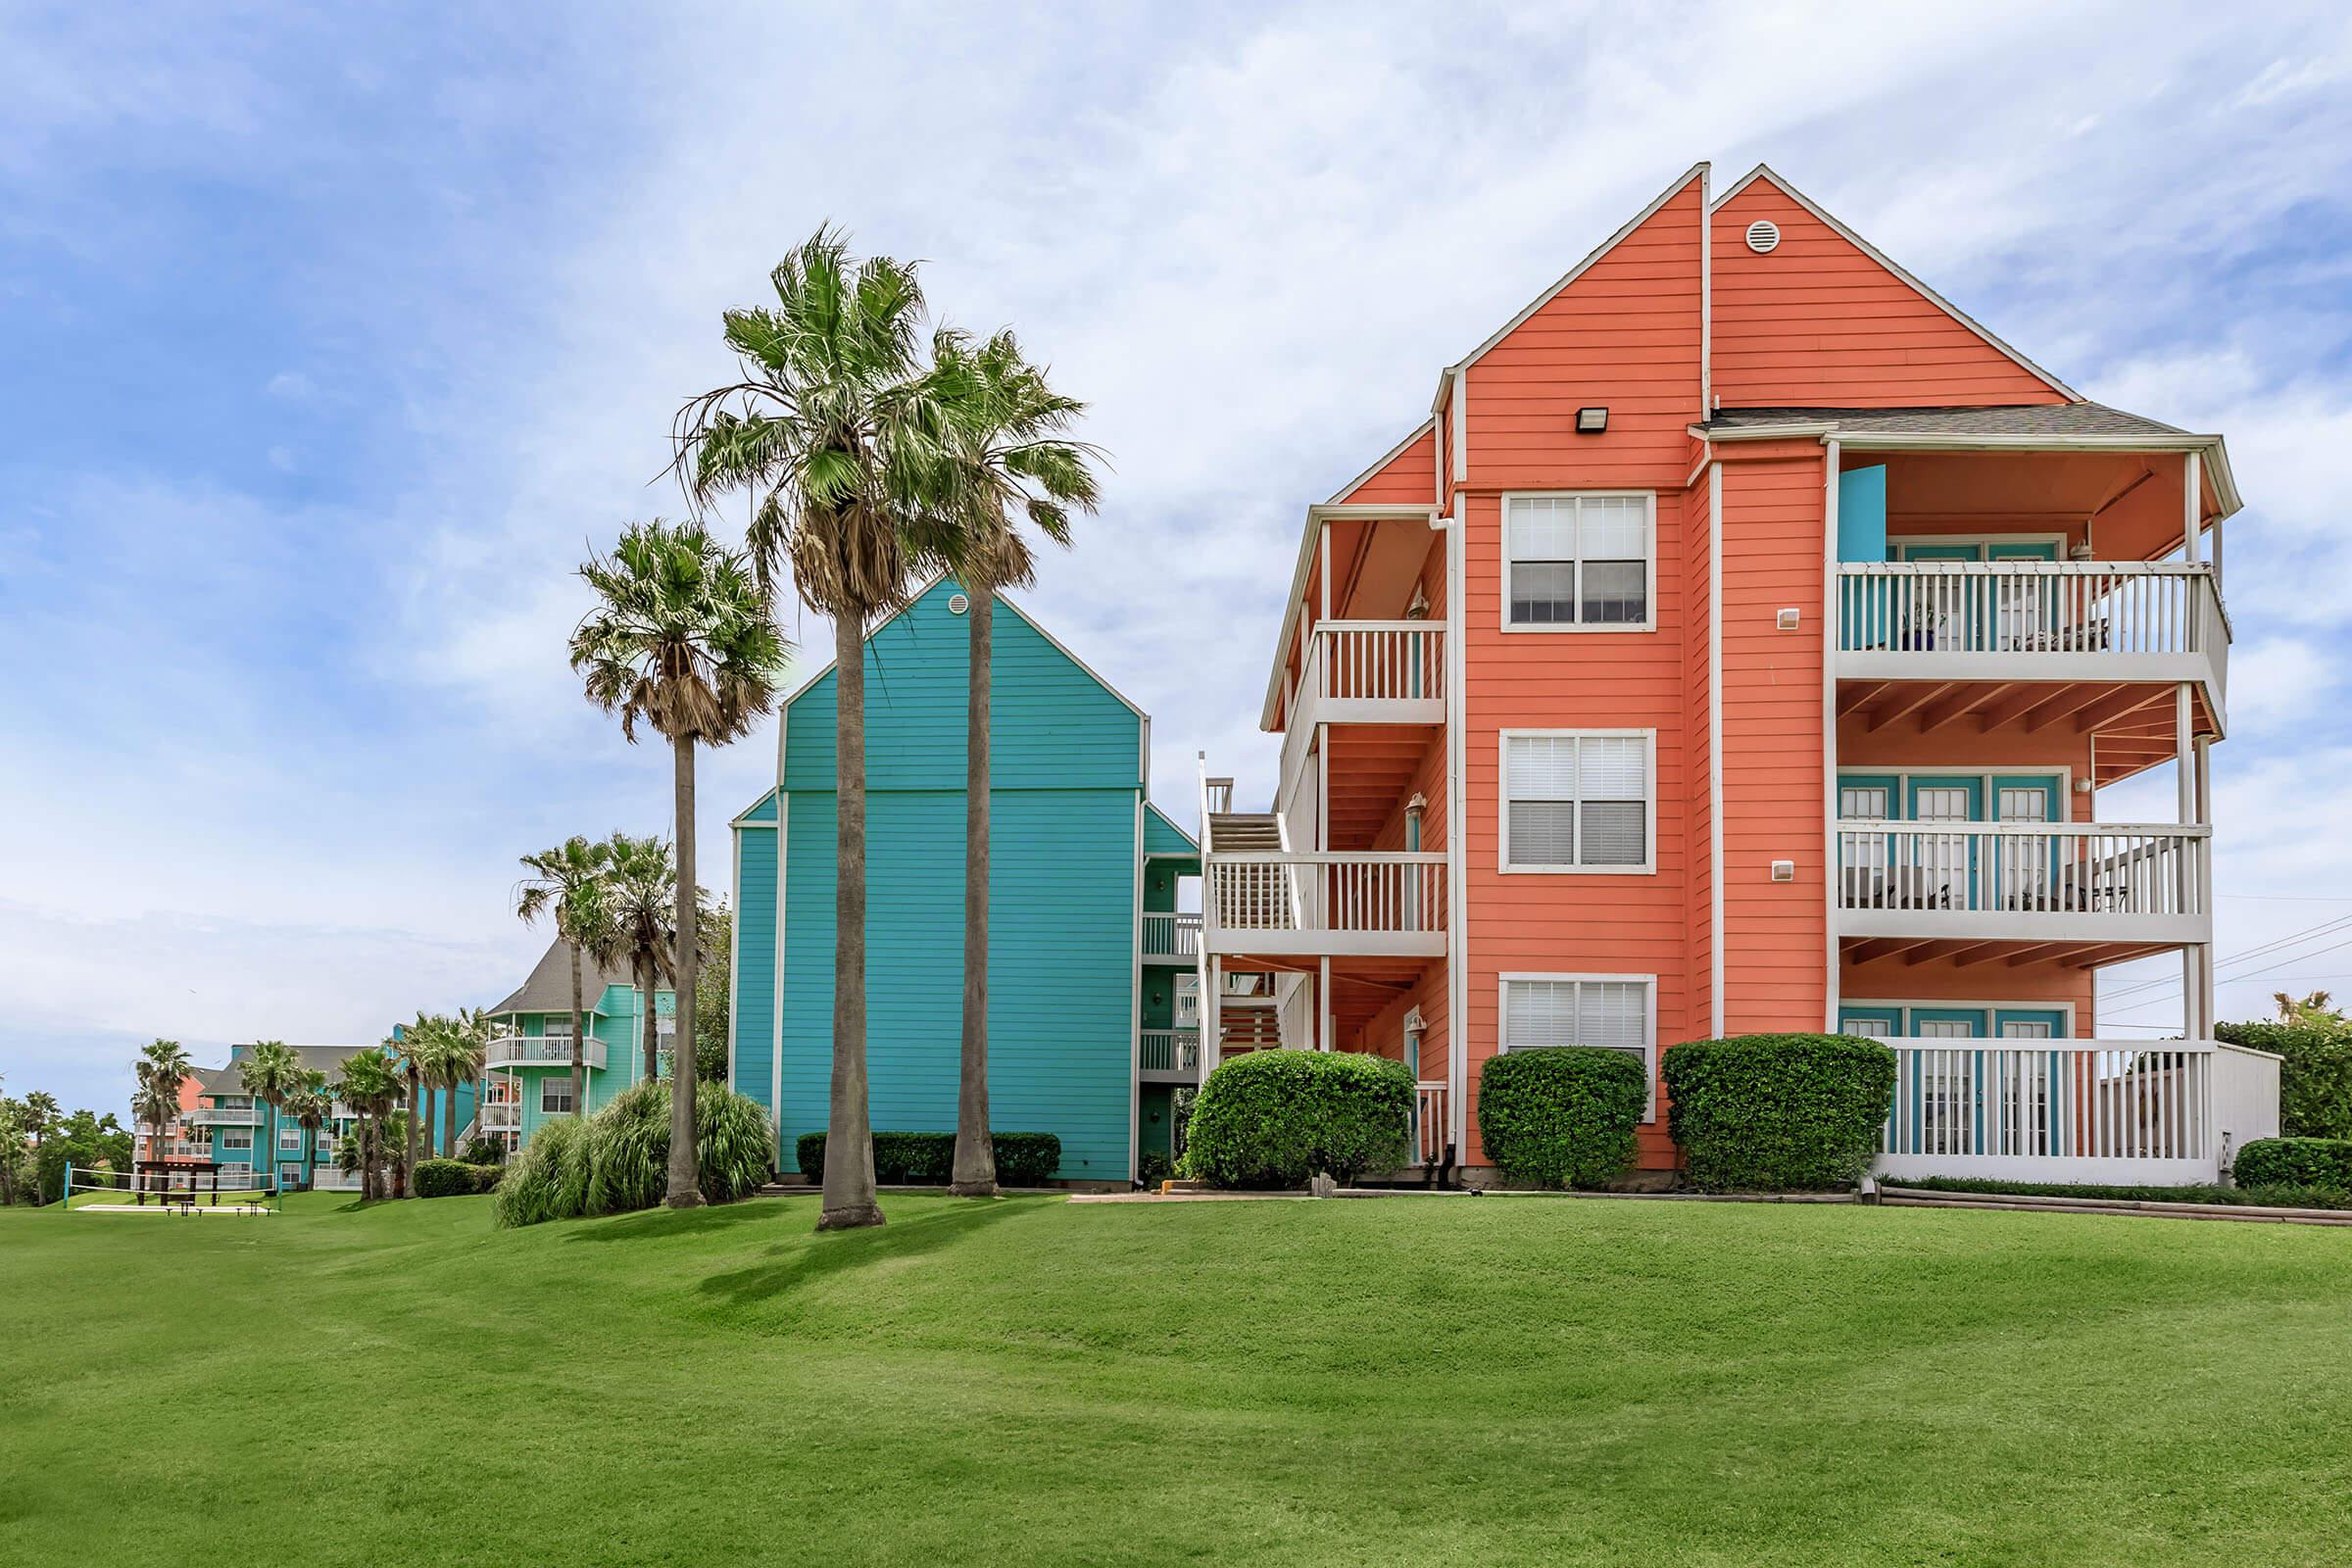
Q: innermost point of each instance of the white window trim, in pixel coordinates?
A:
(229, 1136)
(549, 1082)
(1975, 1004)
(1503, 807)
(1650, 595)
(2058, 539)
(1649, 1019)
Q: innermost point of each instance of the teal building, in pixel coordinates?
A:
(1093, 1007)
(228, 1127)
(528, 1065)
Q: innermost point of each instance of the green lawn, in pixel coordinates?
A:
(1415, 1380)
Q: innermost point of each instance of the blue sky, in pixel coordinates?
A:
(332, 343)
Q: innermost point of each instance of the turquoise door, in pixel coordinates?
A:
(1942, 871)
(1863, 858)
(2025, 870)
(1947, 612)
(1947, 1082)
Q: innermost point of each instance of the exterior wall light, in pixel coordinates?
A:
(1591, 422)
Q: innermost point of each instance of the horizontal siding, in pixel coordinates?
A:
(1409, 478)
(1050, 723)
(754, 1022)
(1819, 321)
(1161, 836)
(1062, 968)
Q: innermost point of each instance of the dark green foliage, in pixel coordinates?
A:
(2315, 1073)
(487, 1177)
(1764, 1114)
(1562, 1117)
(2294, 1162)
(86, 1142)
(444, 1178)
(1273, 1118)
(618, 1159)
(2257, 1196)
(1153, 1168)
(928, 1160)
(549, 1179)
(483, 1152)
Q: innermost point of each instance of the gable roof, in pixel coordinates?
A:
(224, 1080)
(548, 987)
(1163, 837)
(1772, 177)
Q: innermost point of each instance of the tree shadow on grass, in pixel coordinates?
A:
(812, 1258)
(653, 1224)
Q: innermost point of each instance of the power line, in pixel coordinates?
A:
(2320, 929)
(2159, 1002)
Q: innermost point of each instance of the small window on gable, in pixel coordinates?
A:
(1578, 561)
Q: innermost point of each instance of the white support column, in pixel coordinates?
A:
(1829, 729)
(2217, 555)
(2192, 507)
(1323, 1041)
(1323, 549)
(2207, 990)
(1458, 898)
(2185, 764)
(1212, 1012)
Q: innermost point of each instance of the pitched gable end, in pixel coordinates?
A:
(1825, 319)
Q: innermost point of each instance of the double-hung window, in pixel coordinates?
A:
(1612, 1011)
(236, 1139)
(555, 1094)
(1578, 561)
(1579, 801)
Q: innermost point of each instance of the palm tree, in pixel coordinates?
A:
(419, 1042)
(40, 1111)
(162, 1068)
(269, 1072)
(1007, 459)
(459, 1048)
(644, 904)
(370, 1087)
(681, 639)
(837, 435)
(569, 882)
(311, 1109)
(2315, 1009)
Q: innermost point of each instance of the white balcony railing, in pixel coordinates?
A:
(2061, 879)
(1374, 672)
(541, 1051)
(1431, 1130)
(2078, 1110)
(1325, 901)
(222, 1116)
(501, 1116)
(1174, 937)
(1171, 1051)
(2032, 619)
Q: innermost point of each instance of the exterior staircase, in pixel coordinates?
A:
(1244, 833)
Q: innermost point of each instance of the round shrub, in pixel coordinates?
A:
(2295, 1162)
(1273, 1118)
(444, 1178)
(1765, 1113)
(549, 1179)
(1561, 1116)
(2315, 1073)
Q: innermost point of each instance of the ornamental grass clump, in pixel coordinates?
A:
(549, 1179)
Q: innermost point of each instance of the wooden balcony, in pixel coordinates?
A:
(222, 1116)
(1325, 904)
(2094, 883)
(501, 1116)
(1171, 1056)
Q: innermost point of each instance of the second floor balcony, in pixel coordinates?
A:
(222, 1116)
(1171, 937)
(1994, 622)
(501, 1116)
(541, 1051)
(2047, 882)
(1325, 902)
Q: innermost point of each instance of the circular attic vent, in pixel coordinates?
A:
(1763, 235)
(958, 603)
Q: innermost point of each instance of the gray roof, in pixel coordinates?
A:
(327, 1059)
(549, 989)
(2040, 418)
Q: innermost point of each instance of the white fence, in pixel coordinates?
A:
(2050, 867)
(541, 1051)
(1171, 1051)
(2075, 1109)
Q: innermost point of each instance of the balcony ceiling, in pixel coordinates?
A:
(2131, 723)
(1372, 771)
(1988, 958)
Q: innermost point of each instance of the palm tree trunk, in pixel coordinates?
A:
(974, 1174)
(580, 1061)
(367, 1159)
(407, 1171)
(849, 1193)
(448, 1119)
(648, 1037)
(685, 1169)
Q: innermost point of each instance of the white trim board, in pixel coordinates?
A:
(1766, 172)
(1649, 1049)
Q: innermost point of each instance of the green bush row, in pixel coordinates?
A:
(2315, 1073)
(2295, 1162)
(2288, 1197)
(618, 1159)
(928, 1160)
(455, 1178)
(1561, 1116)
(1272, 1118)
(1778, 1112)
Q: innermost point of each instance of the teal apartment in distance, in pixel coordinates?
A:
(528, 1065)
(231, 1128)
(1093, 1016)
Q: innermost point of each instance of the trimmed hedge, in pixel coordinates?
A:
(1273, 1118)
(2315, 1074)
(455, 1178)
(2288, 1196)
(1561, 1116)
(1767, 1113)
(928, 1160)
(2294, 1162)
